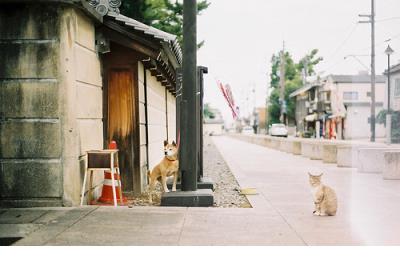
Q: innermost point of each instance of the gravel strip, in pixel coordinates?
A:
(226, 193)
(227, 189)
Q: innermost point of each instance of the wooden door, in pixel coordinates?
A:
(121, 121)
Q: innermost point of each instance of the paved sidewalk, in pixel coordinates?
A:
(281, 213)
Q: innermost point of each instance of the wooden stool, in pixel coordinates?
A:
(102, 160)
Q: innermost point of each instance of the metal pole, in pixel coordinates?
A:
(282, 83)
(372, 70)
(189, 127)
(388, 84)
(389, 114)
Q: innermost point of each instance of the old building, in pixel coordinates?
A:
(318, 107)
(76, 75)
(394, 87)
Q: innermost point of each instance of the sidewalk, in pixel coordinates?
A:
(281, 213)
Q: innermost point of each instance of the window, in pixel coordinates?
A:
(369, 94)
(352, 95)
(397, 87)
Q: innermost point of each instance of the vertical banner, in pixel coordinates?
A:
(227, 93)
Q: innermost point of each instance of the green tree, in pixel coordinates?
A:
(293, 81)
(165, 15)
(208, 112)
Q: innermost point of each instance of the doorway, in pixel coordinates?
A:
(121, 121)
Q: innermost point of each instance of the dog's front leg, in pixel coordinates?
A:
(164, 182)
(174, 183)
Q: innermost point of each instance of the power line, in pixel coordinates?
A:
(344, 41)
(388, 19)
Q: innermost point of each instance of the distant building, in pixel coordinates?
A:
(261, 114)
(214, 125)
(394, 88)
(339, 107)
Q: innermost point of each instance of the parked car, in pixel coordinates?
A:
(278, 130)
(247, 130)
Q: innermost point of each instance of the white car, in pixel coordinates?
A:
(247, 130)
(278, 130)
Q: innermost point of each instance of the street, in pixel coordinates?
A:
(281, 213)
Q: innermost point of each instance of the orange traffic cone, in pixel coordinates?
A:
(107, 192)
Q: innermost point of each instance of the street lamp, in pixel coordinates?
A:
(389, 51)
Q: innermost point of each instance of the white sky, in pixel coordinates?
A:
(241, 36)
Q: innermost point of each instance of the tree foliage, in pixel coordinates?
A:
(293, 81)
(208, 112)
(165, 15)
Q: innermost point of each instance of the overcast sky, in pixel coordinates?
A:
(241, 36)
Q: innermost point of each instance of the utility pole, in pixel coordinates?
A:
(282, 84)
(372, 21)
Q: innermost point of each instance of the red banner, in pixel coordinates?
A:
(227, 93)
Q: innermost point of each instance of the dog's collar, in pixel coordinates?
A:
(172, 160)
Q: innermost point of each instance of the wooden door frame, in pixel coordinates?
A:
(120, 60)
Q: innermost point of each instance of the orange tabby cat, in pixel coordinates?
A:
(324, 197)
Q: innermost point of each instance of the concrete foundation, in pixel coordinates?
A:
(391, 165)
(312, 150)
(329, 153)
(199, 198)
(347, 156)
(370, 160)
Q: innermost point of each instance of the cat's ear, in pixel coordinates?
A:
(320, 175)
(309, 174)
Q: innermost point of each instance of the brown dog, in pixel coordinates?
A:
(167, 167)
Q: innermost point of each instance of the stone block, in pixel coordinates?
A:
(275, 143)
(296, 148)
(21, 179)
(34, 59)
(286, 146)
(26, 139)
(347, 156)
(312, 149)
(29, 99)
(370, 160)
(31, 22)
(329, 153)
(391, 165)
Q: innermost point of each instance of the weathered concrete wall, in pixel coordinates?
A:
(50, 105)
(30, 121)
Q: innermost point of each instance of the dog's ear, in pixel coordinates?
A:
(173, 143)
(165, 143)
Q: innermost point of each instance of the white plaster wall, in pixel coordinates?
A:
(157, 121)
(171, 111)
(356, 123)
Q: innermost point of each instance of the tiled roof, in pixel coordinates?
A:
(151, 31)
